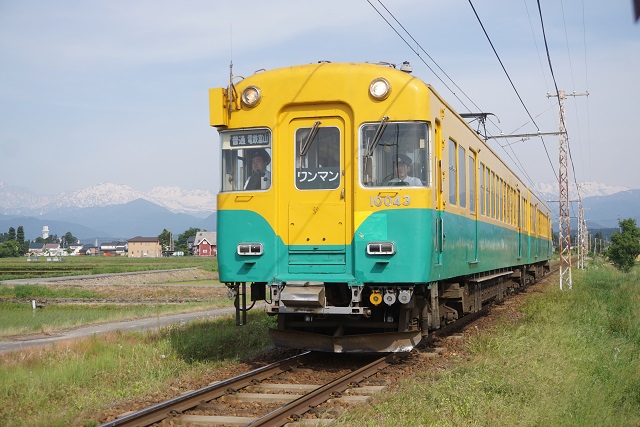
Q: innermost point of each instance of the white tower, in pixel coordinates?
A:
(45, 231)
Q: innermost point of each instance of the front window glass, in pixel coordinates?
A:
(394, 154)
(318, 158)
(246, 160)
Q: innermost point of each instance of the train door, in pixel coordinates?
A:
(315, 195)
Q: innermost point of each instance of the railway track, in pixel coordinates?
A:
(273, 395)
(288, 390)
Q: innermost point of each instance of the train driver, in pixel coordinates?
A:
(401, 168)
(260, 178)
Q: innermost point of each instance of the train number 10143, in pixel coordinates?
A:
(390, 201)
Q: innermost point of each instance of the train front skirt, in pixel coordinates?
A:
(387, 342)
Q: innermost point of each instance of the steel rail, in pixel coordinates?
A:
(190, 400)
(294, 410)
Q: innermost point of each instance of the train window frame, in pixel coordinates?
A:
(409, 141)
(481, 190)
(319, 176)
(462, 176)
(472, 181)
(453, 172)
(236, 148)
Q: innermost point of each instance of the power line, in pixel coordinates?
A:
(502, 65)
(516, 161)
(512, 84)
(418, 54)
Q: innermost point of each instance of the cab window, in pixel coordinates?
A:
(246, 160)
(317, 158)
(394, 154)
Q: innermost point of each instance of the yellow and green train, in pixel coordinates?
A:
(364, 209)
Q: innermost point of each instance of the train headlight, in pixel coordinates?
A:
(380, 89)
(251, 96)
(250, 249)
(381, 248)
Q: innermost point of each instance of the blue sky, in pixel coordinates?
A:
(92, 90)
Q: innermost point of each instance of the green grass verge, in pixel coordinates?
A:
(67, 384)
(574, 360)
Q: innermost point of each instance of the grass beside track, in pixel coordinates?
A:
(69, 383)
(573, 360)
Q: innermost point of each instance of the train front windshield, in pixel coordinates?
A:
(395, 154)
(246, 159)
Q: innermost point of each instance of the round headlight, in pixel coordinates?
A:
(380, 88)
(251, 96)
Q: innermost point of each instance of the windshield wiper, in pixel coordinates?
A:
(304, 148)
(376, 138)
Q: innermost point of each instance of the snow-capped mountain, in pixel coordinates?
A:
(18, 201)
(587, 189)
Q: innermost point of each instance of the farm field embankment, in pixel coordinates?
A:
(20, 268)
(133, 289)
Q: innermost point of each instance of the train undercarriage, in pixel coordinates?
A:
(339, 317)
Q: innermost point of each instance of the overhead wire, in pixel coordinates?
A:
(513, 86)
(516, 162)
(555, 82)
(514, 158)
(418, 54)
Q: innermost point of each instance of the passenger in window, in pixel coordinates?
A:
(260, 178)
(401, 169)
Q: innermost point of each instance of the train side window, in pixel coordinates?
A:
(462, 177)
(395, 154)
(487, 187)
(493, 194)
(318, 158)
(482, 191)
(453, 173)
(472, 183)
(246, 160)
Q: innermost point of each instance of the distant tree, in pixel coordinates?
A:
(165, 240)
(625, 245)
(12, 233)
(20, 234)
(20, 239)
(53, 238)
(69, 239)
(10, 248)
(181, 243)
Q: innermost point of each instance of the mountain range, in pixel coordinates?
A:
(114, 212)
(107, 211)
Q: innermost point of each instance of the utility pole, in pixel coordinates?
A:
(582, 234)
(564, 226)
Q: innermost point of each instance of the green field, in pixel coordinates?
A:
(20, 268)
(19, 318)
